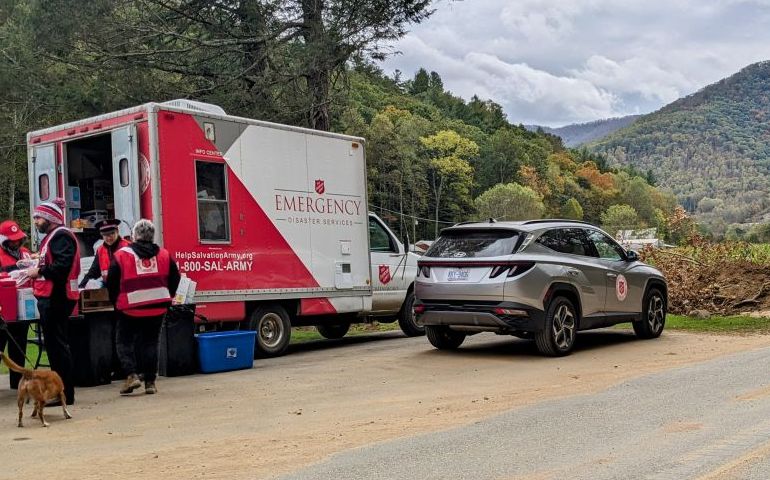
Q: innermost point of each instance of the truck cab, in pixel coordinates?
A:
(393, 272)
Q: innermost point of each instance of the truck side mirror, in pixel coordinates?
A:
(632, 256)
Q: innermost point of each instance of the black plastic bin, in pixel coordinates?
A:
(178, 355)
(91, 338)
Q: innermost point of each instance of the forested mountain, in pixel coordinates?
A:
(581, 133)
(711, 148)
(433, 158)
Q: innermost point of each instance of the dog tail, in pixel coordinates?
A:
(13, 366)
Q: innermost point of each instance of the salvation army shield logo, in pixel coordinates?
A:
(621, 287)
(319, 187)
(145, 266)
(384, 274)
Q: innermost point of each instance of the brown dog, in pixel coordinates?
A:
(41, 385)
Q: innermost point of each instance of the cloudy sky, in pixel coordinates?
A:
(555, 62)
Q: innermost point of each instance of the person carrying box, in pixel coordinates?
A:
(104, 253)
(142, 280)
(55, 285)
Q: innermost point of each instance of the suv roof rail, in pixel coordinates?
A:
(556, 220)
(468, 222)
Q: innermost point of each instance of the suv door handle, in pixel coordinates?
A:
(612, 275)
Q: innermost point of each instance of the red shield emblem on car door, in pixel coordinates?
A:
(384, 274)
(319, 187)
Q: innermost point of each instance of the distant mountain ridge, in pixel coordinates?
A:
(578, 134)
(712, 148)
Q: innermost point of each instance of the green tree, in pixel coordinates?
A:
(510, 201)
(449, 155)
(421, 82)
(572, 210)
(619, 217)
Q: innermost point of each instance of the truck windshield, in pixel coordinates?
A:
(474, 244)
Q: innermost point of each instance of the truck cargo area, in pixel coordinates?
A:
(89, 187)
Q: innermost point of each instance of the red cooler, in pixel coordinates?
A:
(8, 301)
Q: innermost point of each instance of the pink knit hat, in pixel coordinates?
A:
(51, 211)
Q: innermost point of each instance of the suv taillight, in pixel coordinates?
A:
(513, 269)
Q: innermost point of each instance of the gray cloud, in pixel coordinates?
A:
(553, 62)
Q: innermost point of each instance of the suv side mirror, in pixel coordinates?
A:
(632, 256)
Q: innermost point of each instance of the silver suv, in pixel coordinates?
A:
(541, 279)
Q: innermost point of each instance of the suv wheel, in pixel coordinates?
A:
(443, 338)
(558, 336)
(653, 315)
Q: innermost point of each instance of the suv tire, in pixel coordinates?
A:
(653, 315)
(443, 338)
(558, 335)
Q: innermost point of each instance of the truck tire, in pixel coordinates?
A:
(558, 335)
(653, 315)
(333, 332)
(443, 338)
(271, 322)
(406, 318)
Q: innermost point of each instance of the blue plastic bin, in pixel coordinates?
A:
(224, 351)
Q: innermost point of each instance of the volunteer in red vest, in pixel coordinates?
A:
(11, 251)
(142, 280)
(56, 287)
(104, 253)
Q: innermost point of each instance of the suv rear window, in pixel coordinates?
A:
(474, 243)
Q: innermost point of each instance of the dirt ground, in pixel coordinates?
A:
(322, 398)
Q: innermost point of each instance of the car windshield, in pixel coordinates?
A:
(473, 244)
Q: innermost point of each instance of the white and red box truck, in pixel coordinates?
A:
(270, 220)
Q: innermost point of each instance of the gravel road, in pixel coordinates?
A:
(386, 406)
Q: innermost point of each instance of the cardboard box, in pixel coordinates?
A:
(27, 307)
(92, 217)
(185, 292)
(97, 300)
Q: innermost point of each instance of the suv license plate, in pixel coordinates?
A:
(457, 275)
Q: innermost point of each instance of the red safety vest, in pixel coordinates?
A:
(43, 288)
(6, 260)
(143, 283)
(103, 255)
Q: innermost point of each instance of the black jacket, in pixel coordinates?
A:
(143, 250)
(63, 249)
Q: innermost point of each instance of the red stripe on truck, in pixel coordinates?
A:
(316, 306)
(257, 257)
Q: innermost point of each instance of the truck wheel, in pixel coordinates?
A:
(653, 315)
(558, 335)
(443, 338)
(333, 332)
(406, 318)
(273, 328)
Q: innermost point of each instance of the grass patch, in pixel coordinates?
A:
(733, 324)
(309, 334)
